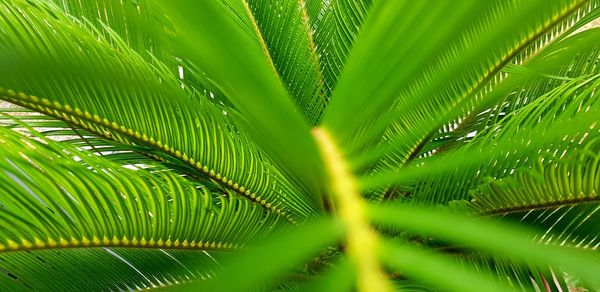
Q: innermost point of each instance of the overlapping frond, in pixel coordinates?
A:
(82, 200)
(559, 196)
(560, 62)
(438, 74)
(101, 269)
(284, 27)
(539, 102)
(398, 152)
(163, 148)
(438, 271)
(250, 276)
(34, 124)
(210, 39)
(83, 222)
(305, 42)
(475, 234)
(335, 25)
(511, 273)
(71, 73)
(541, 129)
(133, 21)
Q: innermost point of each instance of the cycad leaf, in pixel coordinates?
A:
(338, 278)
(538, 127)
(539, 61)
(282, 251)
(73, 74)
(559, 197)
(285, 30)
(573, 58)
(563, 61)
(135, 24)
(213, 42)
(335, 25)
(92, 202)
(484, 234)
(102, 269)
(435, 74)
(33, 124)
(512, 273)
(129, 19)
(436, 270)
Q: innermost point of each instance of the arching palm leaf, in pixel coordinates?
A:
(72, 94)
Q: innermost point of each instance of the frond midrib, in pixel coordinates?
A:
(122, 243)
(569, 201)
(260, 37)
(312, 48)
(83, 119)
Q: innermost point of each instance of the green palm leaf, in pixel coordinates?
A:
(83, 200)
(313, 235)
(475, 233)
(545, 101)
(560, 62)
(541, 55)
(436, 270)
(286, 33)
(251, 84)
(129, 20)
(511, 273)
(127, 82)
(559, 196)
(336, 25)
(446, 68)
(129, 156)
(104, 269)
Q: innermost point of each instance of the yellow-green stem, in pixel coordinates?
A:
(361, 240)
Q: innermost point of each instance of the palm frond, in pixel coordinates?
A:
(284, 29)
(248, 275)
(339, 277)
(335, 25)
(562, 61)
(472, 233)
(129, 20)
(557, 196)
(396, 152)
(512, 273)
(215, 43)
(435, 270)
(82, 200)
(101, 269)
(544, 103)
(33, 124)
(550, 135)
(169, 145)
(559, 105)
(438, 74)
(47, 70)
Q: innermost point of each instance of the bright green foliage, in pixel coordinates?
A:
(559, 196)
(111, 268)
(321, 145)
(59, 204)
